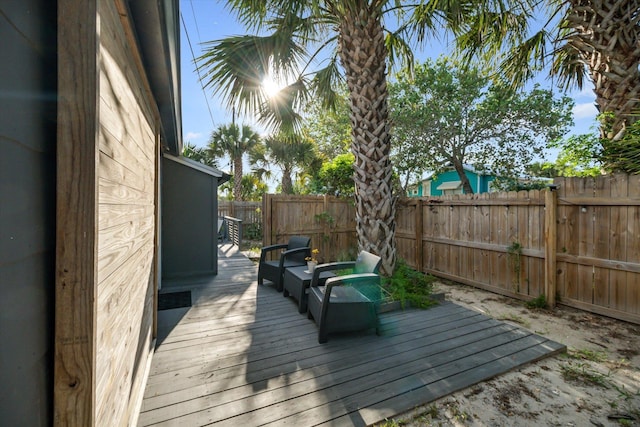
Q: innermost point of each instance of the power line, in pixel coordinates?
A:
(206, 99)
(195, 21)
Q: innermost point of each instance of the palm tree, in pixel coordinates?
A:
(199, 154)
(234, 141)
(357, 46)
(286, 152)
(592, 40)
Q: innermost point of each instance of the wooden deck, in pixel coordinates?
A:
(242, 355)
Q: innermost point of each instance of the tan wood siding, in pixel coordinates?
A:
(126, 211)
(108, 148)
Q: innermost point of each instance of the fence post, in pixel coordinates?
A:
(419, 247)
(550, 239)
(266, 220)
(326, 232)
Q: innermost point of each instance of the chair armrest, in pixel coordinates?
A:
(332, 266)
(348, 280)
(266, 249)
(285, 254)
(344, 280)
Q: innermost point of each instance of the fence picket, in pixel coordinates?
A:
(466, 238)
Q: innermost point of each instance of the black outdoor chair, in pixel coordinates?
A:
(293, 254)
(346, 303)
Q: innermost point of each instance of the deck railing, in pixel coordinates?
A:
(233, 231)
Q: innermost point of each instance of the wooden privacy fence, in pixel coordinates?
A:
(579, 243)
(328, 220)
(248, 212)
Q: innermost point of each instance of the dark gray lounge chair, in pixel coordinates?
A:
(346, 303)
(293, 254)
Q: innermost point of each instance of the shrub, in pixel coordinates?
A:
(409, 285)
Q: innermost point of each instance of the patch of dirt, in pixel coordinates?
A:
(596, 383)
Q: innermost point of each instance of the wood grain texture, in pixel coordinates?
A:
(127, 218)
(76, 222)
(466, 238)
(243, 355)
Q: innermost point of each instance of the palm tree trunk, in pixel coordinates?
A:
(363, 55)
(237, 178)
(287, 183)
(606, 36)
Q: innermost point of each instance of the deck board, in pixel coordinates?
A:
(243, 355)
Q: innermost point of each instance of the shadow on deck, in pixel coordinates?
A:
(243, 355)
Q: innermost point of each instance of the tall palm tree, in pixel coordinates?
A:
(234, 141)
(596, 41)
(287, 152)
(355, 44)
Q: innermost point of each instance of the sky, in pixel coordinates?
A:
(207, 20)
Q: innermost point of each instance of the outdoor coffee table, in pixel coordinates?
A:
(296, 282)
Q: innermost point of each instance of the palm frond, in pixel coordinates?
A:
(236, 66)
(522, 63)
(280, 112)
(484, 33)
(400, 52)
(255, 13)
(325, 83)
(569, 67)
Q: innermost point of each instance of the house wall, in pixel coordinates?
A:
(480, 185)
(189, 221)
(27, 210)
(108, 154)
(485, 180)
(452, 175)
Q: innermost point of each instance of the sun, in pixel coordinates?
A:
(271, 88)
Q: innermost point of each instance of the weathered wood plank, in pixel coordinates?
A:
(76, 215)
(266, 366)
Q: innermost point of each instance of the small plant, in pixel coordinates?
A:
(582, 372)
(591, 355)
(348, 254)
(325, 217)
(410, 286)
(539, 302)
(514, 253)
(314, 255)
(253, 231)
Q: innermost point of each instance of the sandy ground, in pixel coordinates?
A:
(596, 383)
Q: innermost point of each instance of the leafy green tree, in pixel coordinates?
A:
(252, 188)
(199, 154)
(448, 115)
(234, 141)
(357, 40)
(290, 153)
(336, 176)
(591, 155)
(561, 167)
(329, 128)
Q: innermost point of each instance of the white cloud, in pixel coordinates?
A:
(190, 136)
(585, 110)
(585, 93)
